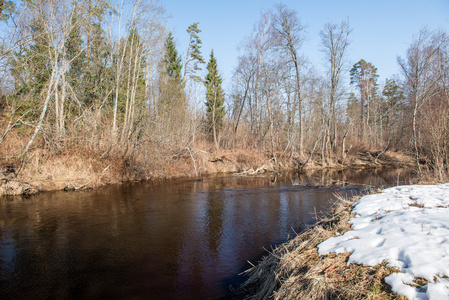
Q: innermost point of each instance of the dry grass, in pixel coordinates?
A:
(296, 271)
(53, 172)
(82, 166)
(431, 177)
(90, 158)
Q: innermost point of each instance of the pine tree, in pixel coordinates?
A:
(214, 98)
(194, 56)
(364, 76)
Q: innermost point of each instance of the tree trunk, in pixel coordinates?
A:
(415, 139)
(44, 111)
(214, 127)
(241, 108)
(187, 61)
(299, 98)
(117, 78)
(343, 154)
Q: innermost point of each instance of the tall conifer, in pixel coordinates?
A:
(172, 100)
(172, 61)
(194, 57)
(214, 98)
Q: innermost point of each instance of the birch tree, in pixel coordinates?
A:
(420, 81)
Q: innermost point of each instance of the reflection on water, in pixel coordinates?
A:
(178, 239)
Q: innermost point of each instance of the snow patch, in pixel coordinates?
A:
(407, 226)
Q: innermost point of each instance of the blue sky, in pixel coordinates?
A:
(382, 30)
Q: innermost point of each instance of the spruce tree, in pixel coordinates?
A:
(172, 61)
(76, 55)
(214, 98)
(29, 84)
(172, 99)
(392, 92)
(394, 97)
(98, 75)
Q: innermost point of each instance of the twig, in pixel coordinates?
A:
(10, 127)
(193, 159)
(104, 171)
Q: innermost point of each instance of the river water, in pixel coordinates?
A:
(180, 239)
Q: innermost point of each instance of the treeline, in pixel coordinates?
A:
(105, 79)
(279, 102)
(102, 78)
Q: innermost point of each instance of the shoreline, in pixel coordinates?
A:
(383, 245)
(72, 172)
(295, 270)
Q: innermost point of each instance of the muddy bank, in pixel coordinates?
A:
(46, 172)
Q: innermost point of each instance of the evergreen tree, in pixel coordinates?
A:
(392, 93)
(172, 62)
(94, 11)
(394, 98)
(31, 71)
(76, 55)
(352, 108)
(99, 73)
(90, 75)
(214, 98)
(194, 56)
(172, 99)
(364, 76)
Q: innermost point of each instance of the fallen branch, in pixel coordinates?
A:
(251, 171)
(72, 187)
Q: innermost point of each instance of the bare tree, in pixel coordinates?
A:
(257, 49)
(289, 35)
(335, 41)
(420, 80)
(243, 75)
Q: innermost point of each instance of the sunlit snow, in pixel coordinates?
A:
(407, 226)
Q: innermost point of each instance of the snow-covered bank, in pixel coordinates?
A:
(407, 226)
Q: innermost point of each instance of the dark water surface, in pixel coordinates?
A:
(179, 239)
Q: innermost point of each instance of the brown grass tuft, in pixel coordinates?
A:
(296, 271)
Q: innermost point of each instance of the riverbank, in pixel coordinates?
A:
(44, 171)
(388, 245)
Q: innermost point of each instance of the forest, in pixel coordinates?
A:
(100, 87)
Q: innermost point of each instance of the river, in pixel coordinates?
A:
(178, 239)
